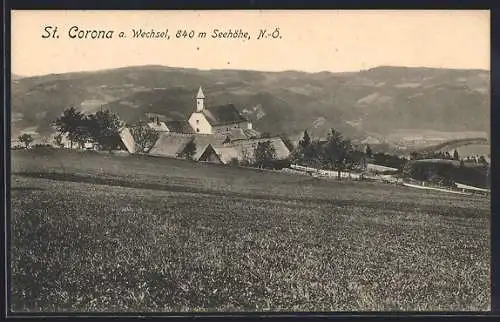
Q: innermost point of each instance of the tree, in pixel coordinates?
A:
(68, 123)
(246, 158)
(189, 150)
(305, 152)
(455, 155)
(336, 151)
(305, 142)
(26, 139)
(356, 160)
(368, 151)
(82, 133)
(144, 137)
(234, 162)
(482, 160)
(104, 129)
(265, 154)
(58, 141)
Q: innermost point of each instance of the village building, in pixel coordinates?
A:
(170, 145)
(219, 133)
(220, 119)
(210, 155)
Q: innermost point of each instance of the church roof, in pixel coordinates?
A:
(200, 93)
(179, 127)
(223, 114)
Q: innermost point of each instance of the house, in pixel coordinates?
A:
(179, 127)
(202, 141)
(170, 144)
(158, 125)
(209, 155)
(216, 119)
(228, 153)
(244, 150)
(127, 139)
(380, 169)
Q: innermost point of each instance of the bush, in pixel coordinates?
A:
(234, 162)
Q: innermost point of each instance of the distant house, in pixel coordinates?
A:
(468, 188)
(209, 155)
(219, 119)
(158, 125)
(244, 150)
(179, 127)
(170, 145)
(380, 169)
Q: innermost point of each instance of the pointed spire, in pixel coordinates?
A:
(200, 93)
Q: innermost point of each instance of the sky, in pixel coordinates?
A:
(311, 41)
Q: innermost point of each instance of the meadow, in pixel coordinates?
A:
(99, 232)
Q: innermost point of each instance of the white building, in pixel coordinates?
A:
(219, 119)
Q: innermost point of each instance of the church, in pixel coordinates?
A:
(220, 119)
(220, 133)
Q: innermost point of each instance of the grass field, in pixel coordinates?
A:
(94, 232)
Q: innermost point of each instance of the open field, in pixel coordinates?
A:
(96, 232)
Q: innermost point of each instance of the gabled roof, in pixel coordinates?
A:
(209, 150)
(226, 153)
(223, 114)
(203, 140)
(379, 168)
(246, 148)
(251, 133)
(158, 126)
(179, 127)
(170, 144)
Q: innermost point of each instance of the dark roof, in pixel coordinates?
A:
(209, 151)
(161, 117)
(179, 127)
(223, 114)
(170, 144)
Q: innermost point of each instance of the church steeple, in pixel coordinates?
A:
(200, 100)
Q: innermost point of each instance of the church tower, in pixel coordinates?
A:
(200, 100)
(197, 120)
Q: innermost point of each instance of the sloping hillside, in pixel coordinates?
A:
(378, 100)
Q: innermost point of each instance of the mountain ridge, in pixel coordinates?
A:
(380, 99)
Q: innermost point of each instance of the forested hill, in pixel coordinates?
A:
(377, 100)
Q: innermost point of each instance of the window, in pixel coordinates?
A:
(197, 130)
(197, 121)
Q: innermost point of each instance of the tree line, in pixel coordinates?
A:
(333, 153)
(101, 128)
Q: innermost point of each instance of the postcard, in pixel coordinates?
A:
(250, 161)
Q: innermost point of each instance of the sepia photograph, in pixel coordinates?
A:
(249, 161)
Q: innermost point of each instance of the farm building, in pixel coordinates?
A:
(210, 155)
(468, 188)
(170, 145)
(179, 127)
(245, 149)
(380, 169)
